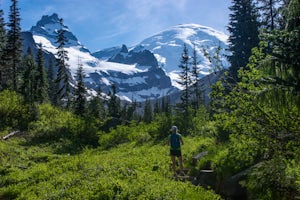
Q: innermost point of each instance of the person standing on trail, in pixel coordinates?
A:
(175, 141)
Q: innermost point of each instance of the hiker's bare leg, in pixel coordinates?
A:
(180, 163)
(173, 164)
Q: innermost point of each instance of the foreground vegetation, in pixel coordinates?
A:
(128, 171)
(62, 156)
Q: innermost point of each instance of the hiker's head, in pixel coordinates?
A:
(174, 129)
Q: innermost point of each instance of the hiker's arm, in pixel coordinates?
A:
(181, 140)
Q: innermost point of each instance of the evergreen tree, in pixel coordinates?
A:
(28, 86)
(114, 107)
(133, 111)
(293, 19)
(285, 53)
(185, 80)
(41, 79)
(14, 47)
(124, 114)
(129, 112)
(2, 49)
(63, 78)
(148, 115)
(166, 105)
(195, 80)
(183, 109)
(156, 109)
(96, 107)
(269, 11)
(51, 82)
(243, 30)
(80, 92)
(286, 50)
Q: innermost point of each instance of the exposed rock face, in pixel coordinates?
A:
(152, 83)
(143, 58)
(107, 53)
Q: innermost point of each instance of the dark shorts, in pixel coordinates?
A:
(175, 153)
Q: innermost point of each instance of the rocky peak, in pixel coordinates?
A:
(124, 49)
(142, 58)
(48, 26)
(46, 19)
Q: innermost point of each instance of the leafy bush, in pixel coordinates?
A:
(274, 179)
(138, 133)
(55, 123)
(163, 122)
(208, 129)
(13, 113)
(241, 153)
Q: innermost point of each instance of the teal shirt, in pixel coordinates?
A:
(175, 141)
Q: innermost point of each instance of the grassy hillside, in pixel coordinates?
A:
(128, 171)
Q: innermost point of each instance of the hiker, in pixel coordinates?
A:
(175, 141)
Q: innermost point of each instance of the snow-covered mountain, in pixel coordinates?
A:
(134, 81)
(167, 47)
(147, 70)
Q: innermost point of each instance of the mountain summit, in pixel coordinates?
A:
(167, 47)
(49, 25)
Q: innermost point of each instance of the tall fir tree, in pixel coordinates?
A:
(114, 107)
(185, 80)
(96, 107)
(63, 78)
(14, 47)
(293, 16)
(166, 105)
(290, 46)
(41, 79)
(28, 86)
(2, 49)
(148, 114)
(183, 108)
(195, 80)
(270, 13)
(80, 92)
(156, 109)
(51, 82)
(243, 34)
(129, 111)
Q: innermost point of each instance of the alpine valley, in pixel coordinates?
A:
(148, 70)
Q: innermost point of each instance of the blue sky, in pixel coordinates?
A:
(101, 24)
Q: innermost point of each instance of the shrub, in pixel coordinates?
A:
(55, 124)
(13, 113)
(277, 178)
(241, 153)
(138, 133)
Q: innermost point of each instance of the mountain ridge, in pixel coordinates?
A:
(138, 71)
(167, 46)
